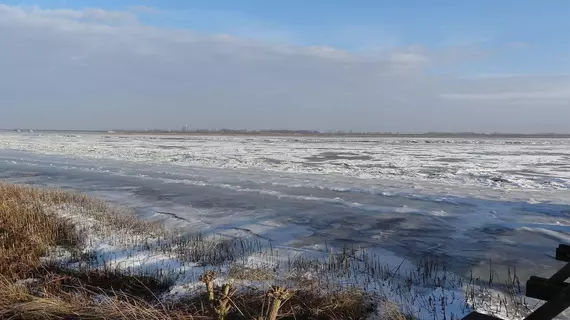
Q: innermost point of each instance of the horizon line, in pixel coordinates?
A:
(293, 132)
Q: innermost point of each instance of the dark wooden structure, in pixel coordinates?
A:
(554, 290)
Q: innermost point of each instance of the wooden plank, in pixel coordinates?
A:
(479, 316)
(563, 253)
(553, 307)
(543, 289)
(561, 275)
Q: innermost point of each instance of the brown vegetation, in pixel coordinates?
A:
(27, 233)
(33, 287)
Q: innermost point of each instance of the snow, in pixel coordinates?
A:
(124, 251)
(495, 163)
(472, 200)
(115, 249)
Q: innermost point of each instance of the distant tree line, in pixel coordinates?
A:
(350, 133)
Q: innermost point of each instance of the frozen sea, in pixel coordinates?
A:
(469, 201)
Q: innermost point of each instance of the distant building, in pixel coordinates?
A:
(185, 128)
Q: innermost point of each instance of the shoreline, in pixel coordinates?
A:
(117, 243)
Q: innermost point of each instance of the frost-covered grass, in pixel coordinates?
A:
(64, 254)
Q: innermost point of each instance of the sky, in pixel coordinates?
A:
(361, 65)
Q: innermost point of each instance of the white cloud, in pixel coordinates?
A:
(562, 94)
(409, 57)
(88, 14)
(96, 68)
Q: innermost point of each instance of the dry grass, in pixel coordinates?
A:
(18, 302)
(27, 233)
(302, 305)
(35, 288)
(29, 230)
(241, 272)
(32, 226)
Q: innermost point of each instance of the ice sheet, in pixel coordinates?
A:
(495, 163)
(470, 201)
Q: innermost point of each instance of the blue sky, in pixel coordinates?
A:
(520, 33)
(539, 27)
(432, 23)
(440, 58)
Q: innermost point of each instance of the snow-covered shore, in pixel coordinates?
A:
(426, 290)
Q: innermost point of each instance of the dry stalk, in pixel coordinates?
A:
(224, 302)
(279, 295)
(208, 279)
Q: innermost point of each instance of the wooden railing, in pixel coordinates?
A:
(554, 290)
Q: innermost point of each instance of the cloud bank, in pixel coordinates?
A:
(102, 69)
